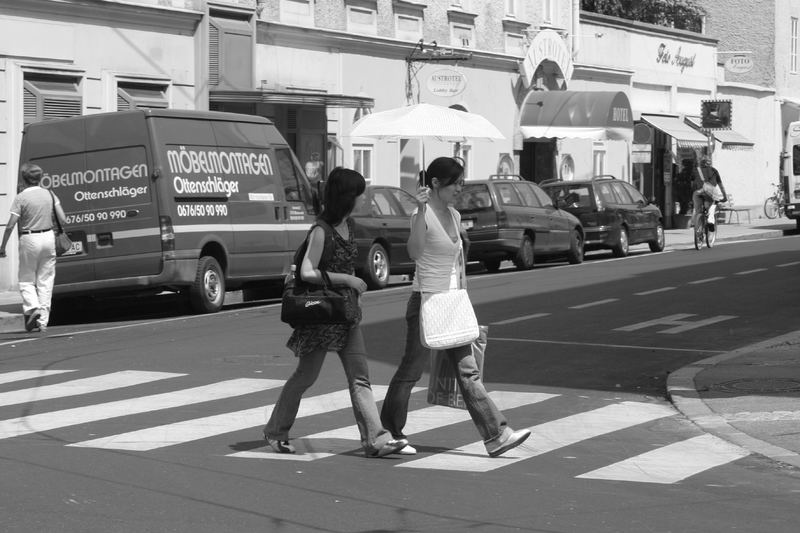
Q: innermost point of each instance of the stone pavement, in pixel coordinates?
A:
(750, 396)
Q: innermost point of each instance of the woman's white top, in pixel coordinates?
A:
(439, 266)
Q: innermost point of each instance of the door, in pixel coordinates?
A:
(560, 225)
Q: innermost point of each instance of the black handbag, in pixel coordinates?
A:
(306, 303)
(63, 242)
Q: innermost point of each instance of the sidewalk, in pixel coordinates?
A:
(750, 396)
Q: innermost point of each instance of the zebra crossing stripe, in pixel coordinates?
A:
(126, 378)
(672, 463)
(546, 437)
(21, 375)
(69, 417)
(309, 450)
(346, 439)
(200, 428)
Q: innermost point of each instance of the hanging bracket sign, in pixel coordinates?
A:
(739, 64)
(447, 82)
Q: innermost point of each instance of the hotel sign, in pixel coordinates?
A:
(447, 82)
(546, 46)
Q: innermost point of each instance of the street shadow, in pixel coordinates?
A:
(557, 351)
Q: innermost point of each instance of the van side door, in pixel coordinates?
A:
(258, 240)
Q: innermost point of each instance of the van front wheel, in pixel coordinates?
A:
(208, 291)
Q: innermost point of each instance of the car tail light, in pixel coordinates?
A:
(167, 234)
(502, 219)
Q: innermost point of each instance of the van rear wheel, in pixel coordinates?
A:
(207, 293)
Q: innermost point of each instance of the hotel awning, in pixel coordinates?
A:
(577, 114)
(684, 135)
(310, 98)
(730, 139)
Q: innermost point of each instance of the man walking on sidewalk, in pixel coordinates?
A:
(33, 210)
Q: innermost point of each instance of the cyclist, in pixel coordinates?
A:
(707, 186)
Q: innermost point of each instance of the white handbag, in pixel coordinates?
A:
(447, 319)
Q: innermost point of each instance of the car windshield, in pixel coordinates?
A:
(558, 192)
(475, 196)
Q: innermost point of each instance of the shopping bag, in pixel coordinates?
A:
(443, 385)
(63, 243)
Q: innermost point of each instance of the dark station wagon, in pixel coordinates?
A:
(614, 214)
(507, 217)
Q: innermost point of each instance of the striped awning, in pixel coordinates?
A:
(730, 139)
(675, 127)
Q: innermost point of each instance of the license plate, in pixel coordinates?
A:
(75, 249)
(467, 224)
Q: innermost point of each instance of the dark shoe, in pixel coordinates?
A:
(393, 446)
(512, 441)
(711, 227)
(280, 446)
(32, 320)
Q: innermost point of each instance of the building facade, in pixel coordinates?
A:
(313, 66)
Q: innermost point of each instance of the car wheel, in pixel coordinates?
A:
(658, 244)
(575, 254)
(376, 267)
(207, 293)
(524, 259)
(491, 265)
(621, 248)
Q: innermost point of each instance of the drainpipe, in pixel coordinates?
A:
(576, 15)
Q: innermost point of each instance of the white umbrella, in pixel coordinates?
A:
(426, 120)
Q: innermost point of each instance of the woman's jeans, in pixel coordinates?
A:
(354, 361)
(489, 420)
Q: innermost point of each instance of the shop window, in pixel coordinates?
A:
(462, 35)
(408, 27)
(793, 47)
(299, 12)
(49, 96)
(362, 19)
(141, 95)
(515, 44)
(362, 160)
(230, 52)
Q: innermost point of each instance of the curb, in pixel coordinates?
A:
(683, 394)
(11, 323)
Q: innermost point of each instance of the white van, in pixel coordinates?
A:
(190, 201)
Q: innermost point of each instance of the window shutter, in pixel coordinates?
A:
(122, 103)
(213, 55)
(30, 107)
(141, 95)
(46, 97)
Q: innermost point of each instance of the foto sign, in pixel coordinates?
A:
(739, 64)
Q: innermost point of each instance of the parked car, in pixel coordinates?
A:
(507, 217)
(382, 226)
(614, 214)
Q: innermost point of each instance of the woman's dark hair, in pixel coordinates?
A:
(448, 169)
(342, 188)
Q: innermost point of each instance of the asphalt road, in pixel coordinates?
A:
(139, 418)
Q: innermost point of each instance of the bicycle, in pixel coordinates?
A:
(702, 232)
(774, 205)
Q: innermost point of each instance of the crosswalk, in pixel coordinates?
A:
(665, 463)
